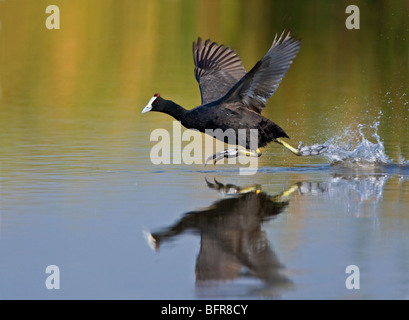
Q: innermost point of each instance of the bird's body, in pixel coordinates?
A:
(210, 117)
(233, 99)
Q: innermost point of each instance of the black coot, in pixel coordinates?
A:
(232, 98)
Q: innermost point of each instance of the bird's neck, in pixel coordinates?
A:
(175, 110)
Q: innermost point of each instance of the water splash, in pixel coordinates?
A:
(353, 147)
(402, 161)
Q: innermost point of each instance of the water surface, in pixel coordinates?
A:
(78, 188)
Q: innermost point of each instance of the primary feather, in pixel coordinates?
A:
(217, 69)
(220, 73)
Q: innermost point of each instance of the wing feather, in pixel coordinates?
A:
(217, 69)
(262, 81)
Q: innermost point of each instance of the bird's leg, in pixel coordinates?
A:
(284, 196)
(232, 153)
(288, 147)
(302, 150)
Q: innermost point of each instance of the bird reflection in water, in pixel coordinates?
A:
(233, 242)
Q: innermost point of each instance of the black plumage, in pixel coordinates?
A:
(232, 98)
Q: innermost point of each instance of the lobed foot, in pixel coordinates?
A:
(228, 153)
(232, 153)
(231, 189)
(313, 150)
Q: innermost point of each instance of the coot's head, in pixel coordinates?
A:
(156, 103)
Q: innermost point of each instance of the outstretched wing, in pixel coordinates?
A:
(217, 69)
(260, 83)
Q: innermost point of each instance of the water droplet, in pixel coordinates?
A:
(353, 147)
